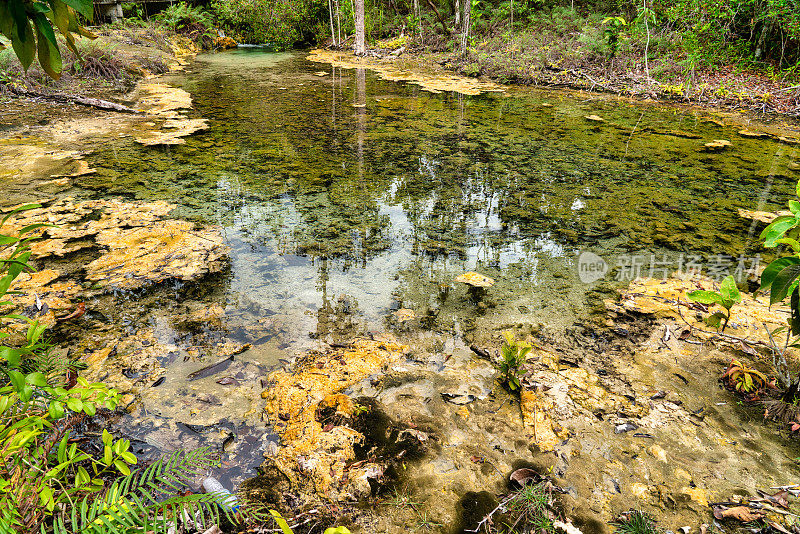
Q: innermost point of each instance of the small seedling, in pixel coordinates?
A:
(513, 353)
(744, 379)
(726, 297)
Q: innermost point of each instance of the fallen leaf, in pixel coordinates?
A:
(523, 476)
(747, 349)
(740, 513)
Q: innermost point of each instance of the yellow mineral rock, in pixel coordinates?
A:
(177, 129)
(765, 217)
(667, 299)
(536, 416)
(435, 83)
(308, 452)
(145, 255)
(716, 145)
(747, 133)
(697, 495)
(159, 97)
(404, 315)
(640, 490)
(475, 279)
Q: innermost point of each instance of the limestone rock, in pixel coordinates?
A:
(147, 255)
(308, 452)
(475, 279)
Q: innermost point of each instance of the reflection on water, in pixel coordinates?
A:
(345, 197)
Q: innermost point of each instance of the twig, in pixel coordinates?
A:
(488, 516)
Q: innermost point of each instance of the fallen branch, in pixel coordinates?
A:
(75, 99)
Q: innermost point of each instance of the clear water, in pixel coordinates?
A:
(346, 197)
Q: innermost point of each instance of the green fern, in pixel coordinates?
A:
(146, 500)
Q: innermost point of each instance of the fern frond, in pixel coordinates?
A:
(145, 499)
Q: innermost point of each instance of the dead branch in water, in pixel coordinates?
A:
(75, 99)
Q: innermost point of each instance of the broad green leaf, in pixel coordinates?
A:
(49, 54)
(12, 356)
(107, 439)
(705, 297)
(75, 404)
(24, 47)
(729, 292)
(56, 410)
(791, 242)
(62, 448)
(89, 408)
(17, 380)
(122, 467)
(794, 206)
(783, 281)
(107, 455)
(284, 526)
(84, 7)
(776, 229)
(772, 270)
(36, 379)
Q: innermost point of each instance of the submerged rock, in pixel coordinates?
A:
(474, 279)
(716, 145)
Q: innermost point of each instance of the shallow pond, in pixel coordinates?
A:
(345, 198)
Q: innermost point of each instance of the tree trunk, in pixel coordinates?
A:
(418, 18)
(338, 22)
(465, 23)
(333, 31)
(358, 12)
(458, 13)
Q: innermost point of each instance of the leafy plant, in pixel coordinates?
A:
(286, 529)
(46, 481)
(744, 379)
(781, 276)
(726, 297)
(513, 353)
(31, 27)
(612, 31)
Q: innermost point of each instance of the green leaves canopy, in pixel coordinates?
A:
(31, 27)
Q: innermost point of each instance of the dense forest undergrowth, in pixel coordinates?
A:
(727, 52)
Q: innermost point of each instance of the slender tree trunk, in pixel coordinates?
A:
(458, 13)
(417, 17)
(646, 46)
(333, 31)
(358, 13)
(465, 23)
(338, 22)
